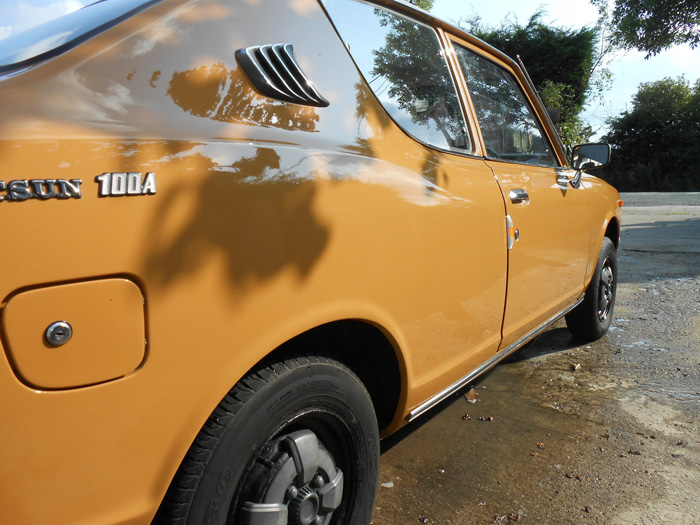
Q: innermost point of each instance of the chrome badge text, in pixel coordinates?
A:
(120, 183)
(43, 189)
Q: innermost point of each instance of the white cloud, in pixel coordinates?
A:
(106, 106)
(19, 15)
(163, 32)
(5, 31)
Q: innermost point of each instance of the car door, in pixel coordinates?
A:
(412, 119)
(549, 240)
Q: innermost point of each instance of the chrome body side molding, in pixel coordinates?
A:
(500, 356)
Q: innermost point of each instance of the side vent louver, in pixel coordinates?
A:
(276, 74)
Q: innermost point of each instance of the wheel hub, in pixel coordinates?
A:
(304, 488)
(303, 510)
(606, 291)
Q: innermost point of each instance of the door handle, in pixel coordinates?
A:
(519, 196)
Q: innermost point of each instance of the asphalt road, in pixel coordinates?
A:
(661, 222)
(607, 432)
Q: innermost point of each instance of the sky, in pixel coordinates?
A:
(629, 68)
(18, 15)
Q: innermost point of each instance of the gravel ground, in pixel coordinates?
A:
(607, 432)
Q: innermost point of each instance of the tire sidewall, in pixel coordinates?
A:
(583, 321)
(312, 390)
(607, 250)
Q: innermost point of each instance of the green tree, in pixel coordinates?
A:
(653, 25)
(563, 97)
(423, 4)
(655, 143)
(566, 65)
(555, 54)
(414, 76)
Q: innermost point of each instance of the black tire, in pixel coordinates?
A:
(306, 424)
(591, 319)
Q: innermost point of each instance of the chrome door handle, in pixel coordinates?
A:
(519, 196)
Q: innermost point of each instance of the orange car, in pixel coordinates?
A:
(243, 240)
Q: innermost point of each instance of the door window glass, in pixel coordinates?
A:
(510, 129)
(404, 65)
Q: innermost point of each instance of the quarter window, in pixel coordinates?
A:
(404, 65)
(510, 129)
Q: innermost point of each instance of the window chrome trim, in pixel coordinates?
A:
(417, 15)
(471, 376)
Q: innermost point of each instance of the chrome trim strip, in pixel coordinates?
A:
(430, 403)
(510, 239)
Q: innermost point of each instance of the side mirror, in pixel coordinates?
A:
(590, 156)
(554, 115)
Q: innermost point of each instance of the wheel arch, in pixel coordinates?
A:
(612, 231)
(609, 228)
(364, 347)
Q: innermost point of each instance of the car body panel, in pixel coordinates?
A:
(267, 219)
(107, 317)
(548, 261)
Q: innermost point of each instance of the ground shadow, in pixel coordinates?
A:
(552, 341)
(663, 235)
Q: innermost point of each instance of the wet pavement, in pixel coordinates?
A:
(606, 432)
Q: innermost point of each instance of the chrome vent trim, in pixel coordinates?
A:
(276, 74)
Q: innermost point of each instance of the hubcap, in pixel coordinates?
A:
(606, 291)
(305, 507)
(304, 487)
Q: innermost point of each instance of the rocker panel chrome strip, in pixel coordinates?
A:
(500, 356)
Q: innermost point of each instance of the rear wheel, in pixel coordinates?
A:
(591, 319)
(293, 443)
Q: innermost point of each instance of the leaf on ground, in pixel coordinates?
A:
(472, 396)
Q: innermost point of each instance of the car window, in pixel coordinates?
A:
(404, 65)
(510, 129)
